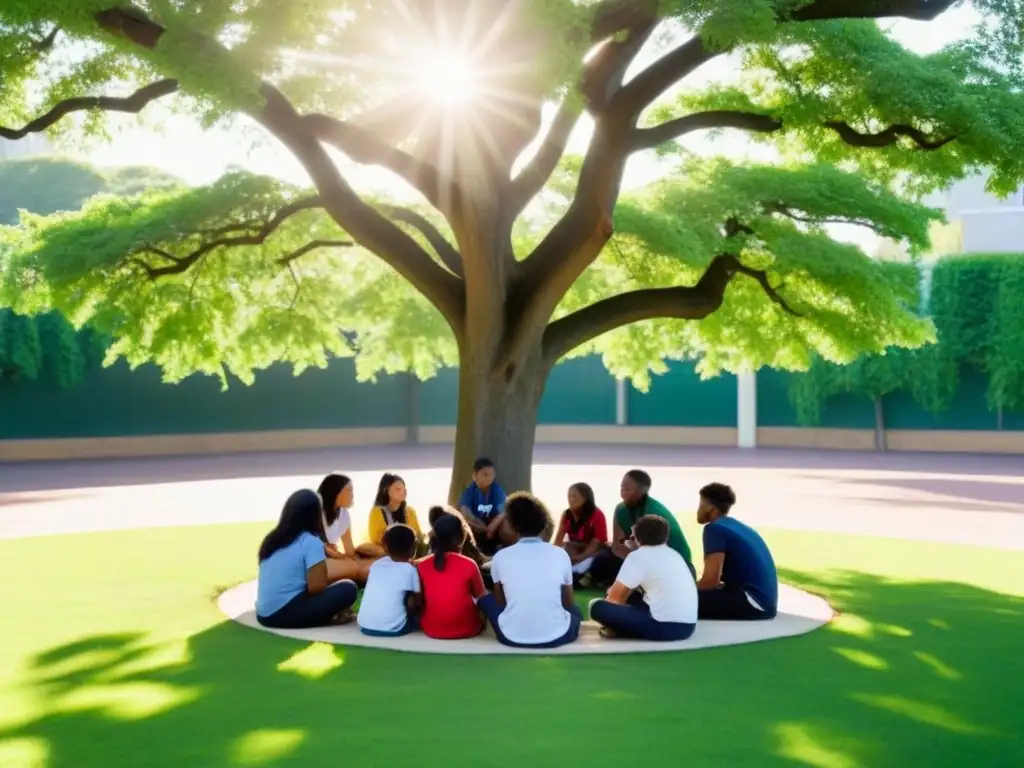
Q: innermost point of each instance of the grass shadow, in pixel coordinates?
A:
(910, 672)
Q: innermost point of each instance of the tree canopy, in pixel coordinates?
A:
(975, 303)
(516, 252)
(47, 346)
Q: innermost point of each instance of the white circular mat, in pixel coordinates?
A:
(799, 613)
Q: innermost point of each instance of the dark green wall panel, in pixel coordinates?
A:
(775, 409)
(579, 391)
(117, 401)
(680, 398)
(969, 409)
(439, 399)
(1013, 420)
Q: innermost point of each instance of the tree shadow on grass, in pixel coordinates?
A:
(909, 672)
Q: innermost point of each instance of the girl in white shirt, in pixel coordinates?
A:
(336, 494)
(654, 597)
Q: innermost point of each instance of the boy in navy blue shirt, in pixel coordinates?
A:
(739, 580)
(483, 506)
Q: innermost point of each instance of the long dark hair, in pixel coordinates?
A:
(302, 513)
(382, 500)
(447, 535)
(328, 491)
(586, 511)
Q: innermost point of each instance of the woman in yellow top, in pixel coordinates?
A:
(389, 509)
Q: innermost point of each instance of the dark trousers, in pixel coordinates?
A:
(634, 620)
(728, 603)
(412, 623)
(605, 568)
(490, 608)
(317, 610)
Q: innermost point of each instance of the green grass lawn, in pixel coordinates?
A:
(113, 653)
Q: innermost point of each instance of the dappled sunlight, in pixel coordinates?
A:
(24, 753)
(315, 661)
(266, 746)
(126, 701)
(940, 623)
(798, 743)
(851, 624)
(924, 713)
(863, 658)
(893, 629)
(940, 668)
(887, 688)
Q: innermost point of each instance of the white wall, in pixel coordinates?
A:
(988, 224)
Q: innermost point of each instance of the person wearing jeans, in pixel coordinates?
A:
(531, 605)
(654, 596)
(292, 591)
(306, 610)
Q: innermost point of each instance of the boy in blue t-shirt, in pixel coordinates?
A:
(739, 580)
(483, 506)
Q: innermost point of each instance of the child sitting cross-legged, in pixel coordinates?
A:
(452, 583)
(654, 597)
(391, 600)
(532, 602)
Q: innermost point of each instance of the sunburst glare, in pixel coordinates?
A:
(446, 77)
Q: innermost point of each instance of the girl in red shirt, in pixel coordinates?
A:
(582, 532)
(451, 584)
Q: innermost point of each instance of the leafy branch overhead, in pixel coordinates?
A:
(515, 253)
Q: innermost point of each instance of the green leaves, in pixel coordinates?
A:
(848, 304)
(975, 303)
(852, 72)
(238, 307)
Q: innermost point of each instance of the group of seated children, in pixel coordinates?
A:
(309, 566)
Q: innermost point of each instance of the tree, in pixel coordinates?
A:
(47, 346)
(249, 271)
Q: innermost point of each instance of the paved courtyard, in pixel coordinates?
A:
(963, 499)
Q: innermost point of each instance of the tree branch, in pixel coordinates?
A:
(45, 44)
(366, 225)
(648, 138)
(363, 147)
(916, 10)
(312, 245)
(181, 264)
(131, 104)
(538, 170)
(643, 89)
(887, 137)
(445, 251)
(683, 302)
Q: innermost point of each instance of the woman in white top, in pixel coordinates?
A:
(336, 494)
(654, 597)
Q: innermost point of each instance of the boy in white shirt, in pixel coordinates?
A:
(392, 598)
(667, 609)
(531, 605)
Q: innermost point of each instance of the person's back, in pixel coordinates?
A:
(654, 596)
(532, 573)
(391, 586)
(666, 581)
(748, 561)
(282, 576)
(449, 608)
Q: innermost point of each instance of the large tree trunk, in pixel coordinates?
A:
(498, 419)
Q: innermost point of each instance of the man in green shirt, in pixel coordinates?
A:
(634, 490)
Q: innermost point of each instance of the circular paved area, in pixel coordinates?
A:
(799, 613)
(961, 499)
